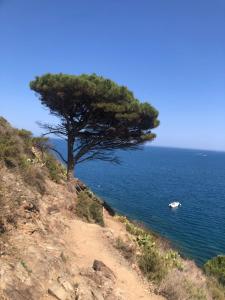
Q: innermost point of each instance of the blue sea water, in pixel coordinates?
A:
(148, 180)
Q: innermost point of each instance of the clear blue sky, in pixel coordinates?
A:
(168, 52)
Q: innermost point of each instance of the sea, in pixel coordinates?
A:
(146, 181)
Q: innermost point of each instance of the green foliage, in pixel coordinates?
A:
(96, 114)
(11, 145)
(8, 151)
(15, 152)
(216, 267)
(165, 268)
(26, 136)
(25, 267)
(89, 209)
(56, 170)
(29, 155)
(172, 260)
(153, 262)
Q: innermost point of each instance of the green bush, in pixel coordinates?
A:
(56, 170)
(26, 136)
(216, 267)
(152, 264)
(11, 151)
(14, 144)
(20, 150)
(89, 209)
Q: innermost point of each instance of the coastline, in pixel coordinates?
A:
(166, 242)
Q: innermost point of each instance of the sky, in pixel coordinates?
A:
(170, 53)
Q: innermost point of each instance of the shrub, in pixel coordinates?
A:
(152, 264)
(216, 289)
(177, 286)
(35, 178)
(20, 150)
(127, 250)
(133, 229)
(194, 291)
(154, 261)
(56, 170)
(26, 136)
(10, 150)
(216, 268)
(89, 209)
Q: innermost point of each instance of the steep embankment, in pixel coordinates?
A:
(46, 250)
(49, 254)
(58, 242)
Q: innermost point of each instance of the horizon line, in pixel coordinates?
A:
(150, 144)
(184, 148)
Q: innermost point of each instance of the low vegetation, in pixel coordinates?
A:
(25, 165)
(153, 262)
(127, 250)
(28, 155)
(89, 208)
(216, 267)
(184, 285)
(31, 160)
(174, 278)
(216, 289)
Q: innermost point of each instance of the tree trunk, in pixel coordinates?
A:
(70, 158)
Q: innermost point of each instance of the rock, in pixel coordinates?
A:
(99, 266)
(31, 207)
(115, 296)
(57, 291)
(109, 209)
(80, 186)
(109, 233)
(86, 292)
(96, 277)
(96, 295)
(83, 293)
(66, 284)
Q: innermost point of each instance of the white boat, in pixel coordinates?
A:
(174, 204)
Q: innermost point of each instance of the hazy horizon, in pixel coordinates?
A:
(152, 144)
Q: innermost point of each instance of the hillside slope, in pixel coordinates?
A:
(49, 252)
(46, 251)
(58, 242)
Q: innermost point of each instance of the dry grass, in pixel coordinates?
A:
(29, 156)
(127, 249)
(179, 285)
(35, 178)
(216, 290)
(25, 164)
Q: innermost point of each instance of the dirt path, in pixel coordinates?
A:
(90, 242)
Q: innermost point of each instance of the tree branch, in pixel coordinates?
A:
(60, 155)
